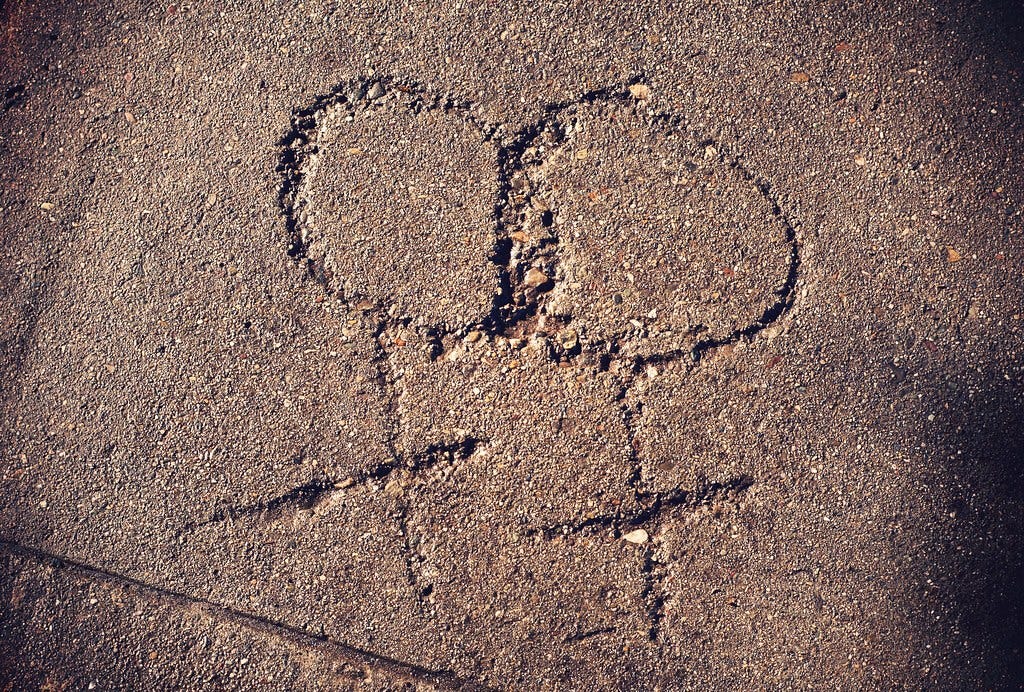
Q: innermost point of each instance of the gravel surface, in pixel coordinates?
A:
(480, 345)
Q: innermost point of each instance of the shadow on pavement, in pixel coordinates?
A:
(981, 564)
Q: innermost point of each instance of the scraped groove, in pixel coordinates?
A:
(525, 238)
(407, 554)
(629, 415)
(332, 649)
(587, 635)
(654, 574)
(653, 505)
(310, 494)
(13, 95)
(304, 496)
(299, 144)
(298, 161)
(692, 355)
(786, 298)
(505, 314)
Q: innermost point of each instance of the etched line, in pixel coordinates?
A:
(331, 648)
(527, 160)
(12, 96)
(527, 254)
(652, 506)
(310, 494)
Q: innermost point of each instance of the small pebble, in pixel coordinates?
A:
(568, 338)
(640, 91)
(355, 93)
(636, 536)
(535, 278)
(376, 91)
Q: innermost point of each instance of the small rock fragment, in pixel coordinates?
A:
(376, 91)
(568, 338)
(355, 93)
(640, 92)
(800, 77)
(952, 255)
(636, 536)
(535, 278)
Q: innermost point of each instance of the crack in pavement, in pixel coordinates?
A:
(333, 649)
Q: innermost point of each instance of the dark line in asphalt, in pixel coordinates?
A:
(12, 96)
(332, 648)
(652, 505)
(312, 492)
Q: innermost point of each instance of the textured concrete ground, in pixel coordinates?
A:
(480, 345)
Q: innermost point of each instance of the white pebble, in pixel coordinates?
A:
(636, 536)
